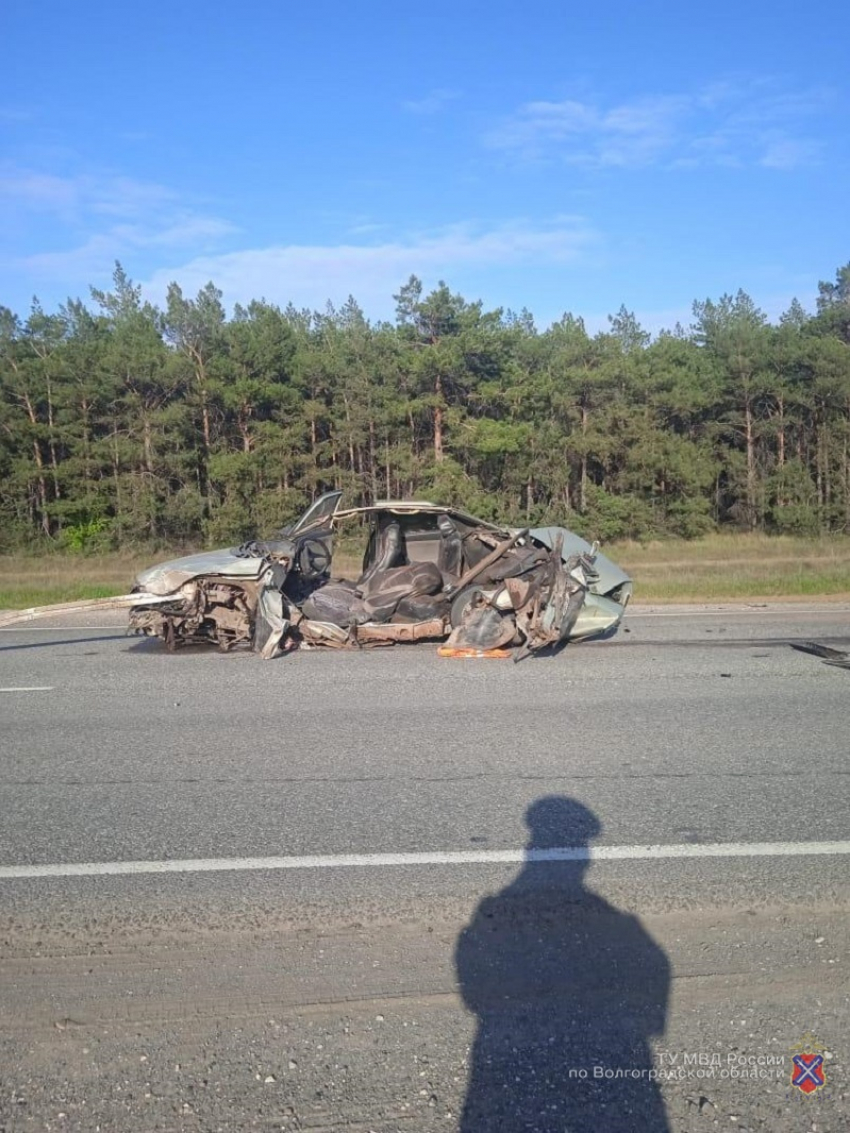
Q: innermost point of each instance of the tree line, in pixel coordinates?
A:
(124, 424)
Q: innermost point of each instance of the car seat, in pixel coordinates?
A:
(387, 548)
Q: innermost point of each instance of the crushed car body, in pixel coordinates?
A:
(429, 573)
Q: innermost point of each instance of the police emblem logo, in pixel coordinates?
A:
(808, 1071)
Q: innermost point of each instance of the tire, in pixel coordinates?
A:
(461, 601)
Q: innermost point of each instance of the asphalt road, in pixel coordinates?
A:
(306, 992)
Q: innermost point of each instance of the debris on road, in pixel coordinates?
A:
(838, 658)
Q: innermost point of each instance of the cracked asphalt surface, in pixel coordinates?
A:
(427, 997)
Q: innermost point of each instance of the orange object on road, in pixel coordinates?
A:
(456, 651)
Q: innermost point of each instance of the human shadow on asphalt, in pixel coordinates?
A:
(568, 990)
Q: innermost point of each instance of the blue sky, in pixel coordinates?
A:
(558, 156)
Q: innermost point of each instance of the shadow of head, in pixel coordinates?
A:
(556, 821)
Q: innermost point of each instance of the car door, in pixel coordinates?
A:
(312, 535)
(318, 515)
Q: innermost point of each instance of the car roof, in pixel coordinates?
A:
(414, 507)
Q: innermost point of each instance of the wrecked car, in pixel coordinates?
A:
(429, 573)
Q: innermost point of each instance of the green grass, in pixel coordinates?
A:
(40, 581)
(736, 566)
(716, 568)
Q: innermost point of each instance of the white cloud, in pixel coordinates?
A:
(432, 103)
(87, 262)
(537, 126)
(582, 133)
(97, 254)
(186, 228)
(751, 122)
(367, 228)
(310, 275)
(735, 122)
(98, 218)
(28, 189)
(15, 115)
(788, 153)
(127, 197)
(82, 195)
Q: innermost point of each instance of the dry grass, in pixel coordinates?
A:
(718, 567)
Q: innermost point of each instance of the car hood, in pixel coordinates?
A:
(164, 578)
(610, 575)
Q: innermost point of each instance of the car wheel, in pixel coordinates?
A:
(461, 603)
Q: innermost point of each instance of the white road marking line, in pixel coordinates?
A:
(437, 857)
(33, 688)
(630, 615)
